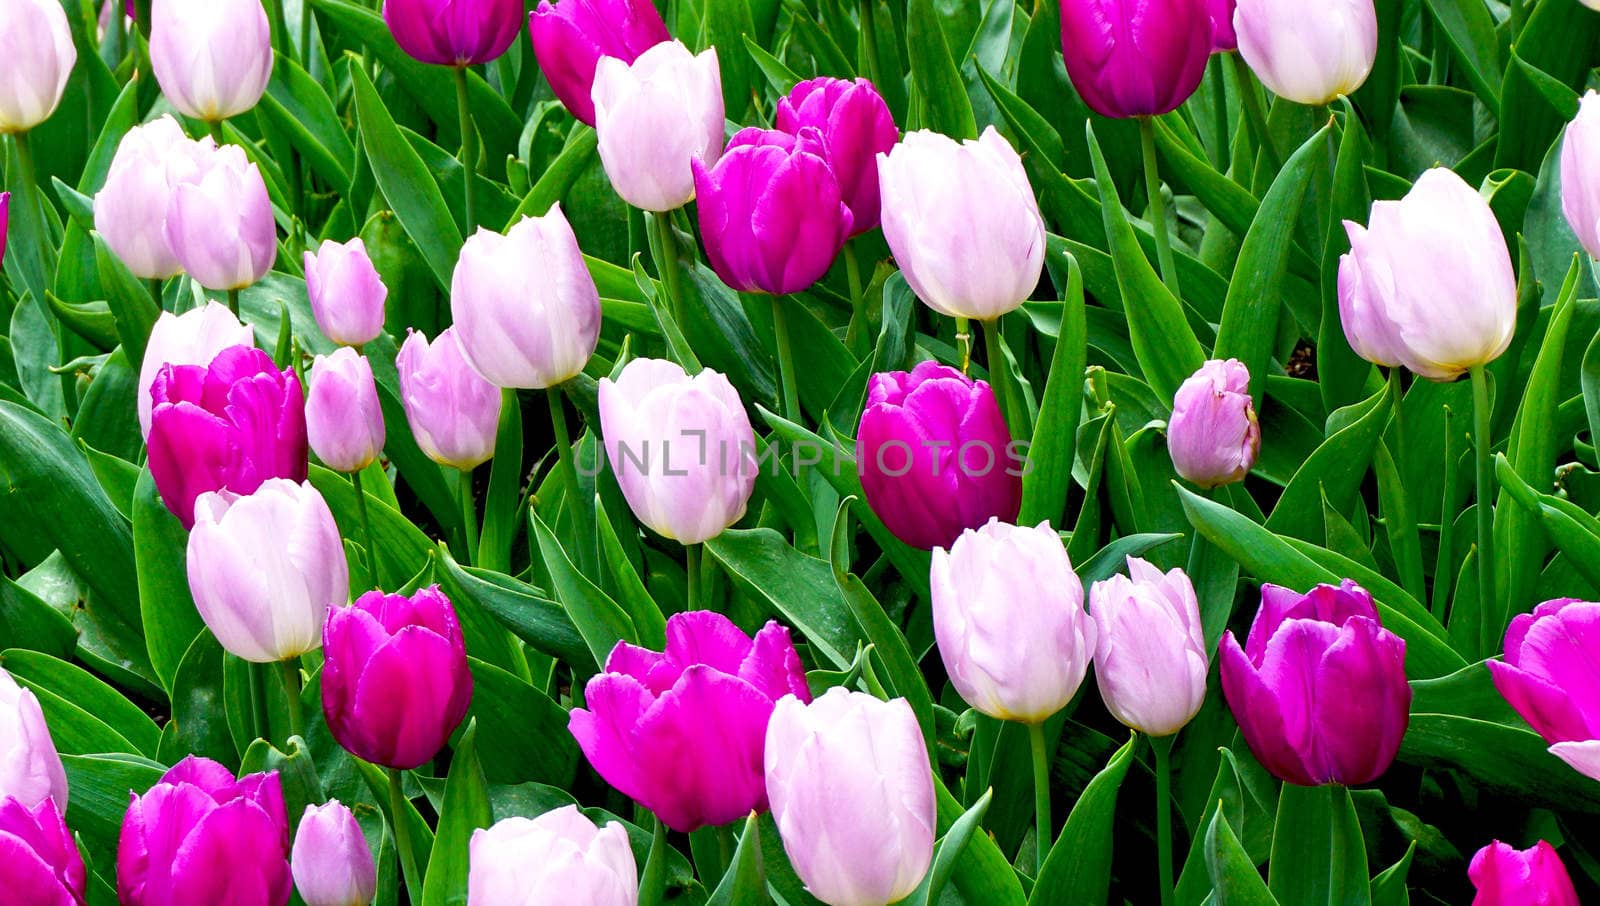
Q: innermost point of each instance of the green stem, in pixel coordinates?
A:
(233, 302)
(1158, 206)
(290, 671)
(155, 291)
(1411, 560)
(1219, 113)
(691, 569)
(1163, 749)
(402, 836)
(1000, 380)
(276, 30)
(214, 129)
(1254, 111)
(469, 148)
(1041, 790)
(568, 466)
(469, 514)
(667, 264)
(1443, 572)
(780, 332)
(727, 844)
(1481, 442)
(305, 36)
(366, 530)
(964, 342)
(858, 301)
(869, 37)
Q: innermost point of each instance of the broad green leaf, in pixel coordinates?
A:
(1233, 876)
(798, 588)
(165, 606)
(1334, 471)
(1318, 854)
(466, 808)
(981, 873)
(85, 715)
(950, 848)
(521, 608)
(602, 623)
(1078, 869)
(935, 75)
(744, 884)
(540, 750)
(1048, 478)
(1468, 28)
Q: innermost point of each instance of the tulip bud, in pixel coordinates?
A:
(1213, 435)
(199, 836)
(453, 412)
(570, 37)
(395, 682)
(557, 858)
(655, 115)
(1008, 615)
(343, 420)
(1580, 186)
(346, 293)
(42, 866)
(1319, 688)
(527, 313)
(130, 211)
(1309, 55)
(856, 127)
(30, 769)
(681, 448)
(36, 43)
(1529, 877)
(1150, 649)
(644, 727)
(935, 456)
(212, 58)
(331, 862)
(962, 222)
(454, 32)
(1223, 37)
(1135, 57)
(192, 338)
(851, 789)
(1440, 241)
(219, 221)
(1547, 676)
(770, 211)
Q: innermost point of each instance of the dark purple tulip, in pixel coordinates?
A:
(771, 212)
(1319, 689)
(39, 862)
(226, 426)
(1223, 38)
(935, 456)
(201, 838)
(394, 679)
(453, 32)
(1135, 57)
(856, 125)
(570, 37)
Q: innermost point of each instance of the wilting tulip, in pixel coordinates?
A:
(935, 456)
(1549, 676)
(1150, 649)
(1213, 435)
(192, 338)
(199, 836)
(36, 43)
(30, 768)
(1580, 184)
(452, 410)
(1308, 54)
(343, 420)
(41, 864)
(219, 222)
(570, 37)
(346, 293)
(1135, 57)
(653, 117)
(212, 58)
(770, 211)
(1528, 877)
(962, 222)
(856, 126)
(681, 448)
(227, 426)
(644, 729)
(557, 858)
(1319, 688)
(454, 32)
(527, 313)
(1440, 241)
(851, 789)
(395, 682)
(1223, 37)
(331, 861)
(130, 211)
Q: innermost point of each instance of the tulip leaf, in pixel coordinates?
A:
(301, 111)
(84, 714)
(744, 883)
(1233, 875)
(1334, 471)
(523, 609)
(559, 176)
(1389, 886)
(100, 785)
(797, 587)
(167, 611)
(951, 846)
(27, 621)
(1340, 372)
(504, 494)
(200, 713)
(541, 751)
(943, 97)
(1468, 28)
(1078, 869)
(981, 873)
(1048, 476)
(598, 618)
(1318, 854)
(1569, 526)
(421, 835)
(295, 770)
(466, 808)
(635, 597)
(779, 76)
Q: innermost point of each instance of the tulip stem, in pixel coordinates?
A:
(1041, 790)
(691, 571)
(290, 671)
(564, 461)
(869, 39)
(233, 302)
(1219, 113)
(1162, 745)
(666, 255)
(402, 836)
(858, 301)
(277, 33)
(366, 530)
(469, 149)
(1481, 444)
(214, 129)
(1000, 379)
(1254, 111)
(155, 291)
(469, 516)
(780, 332)
(1158, 206)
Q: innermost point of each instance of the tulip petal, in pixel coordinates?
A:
(705, 738)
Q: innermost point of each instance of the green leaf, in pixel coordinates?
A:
(950, 848)
(521, 608)
(377, 781)
(166, 608)
(1233, 876)
(793, 585)
(1334, 471)
(100, 786)
(559, 176)
(1318, 855)
(1568, 526)
(1468, 28)
(1048, 478)
(84, 714)
(132, 309)
(541, 750)
(26, 621)
(981, 873)
(299, 109)
(642, 608)
(466, 808)
(1078, 869)
(602, 623)
(745, 883)
(943, 96)
(504, 494)
(1389, 886)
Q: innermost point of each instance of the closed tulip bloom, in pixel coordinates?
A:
(130, 211)
(212, 58)
(646, 725)
(343, 419)
(1223, 38)
(1439, 242)
(570, 37)
(1549, 676)
(36, 43)
(681, 448)
(962, 222)
(346, 293)
(1308, 54)
(557, 858)
(395, 682)
(30, 769)
(655, 115)
(331, 862)
(39, 860)
(771, 212)
(935, 456)
(454, 32)
(1213, 435)
(219, 221)
(453, 411)
(201, 838)
(527, 313)
(1580, 183)
(1150, 649)
(1135, 57)
(192, 338)
(1527, 877)
(856, 127)
(1319, 688)
(851, 789)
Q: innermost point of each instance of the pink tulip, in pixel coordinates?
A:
(1213, 435)
(343, 419)
(30, 769)
(346, 293)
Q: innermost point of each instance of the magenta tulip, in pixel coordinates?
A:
(1135, 57)
(1223, 37)
(1550, 677)
(1528, 877)
(856, 126)
(39, 860)
(454, 32)
(570, 37)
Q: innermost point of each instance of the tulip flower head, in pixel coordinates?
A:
(570, 37)
(36, 45)
(1135, 57)
(1150, 648)
(42, 866)
(343, 419)
(212, 58)
(331, 862)
(557, 858)
(30, 769)
(346, 293)
(1580, 181)
(1213, 434)
(454, 32)
(130, 211)
(219, 221)
(454, 413)
(192, 338)
(1223, 38)
(653, 117)
(856, 127)
(1527, 877)
(1550, 678)
(1309, 54)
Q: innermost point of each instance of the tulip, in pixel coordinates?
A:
(527, 313)
(962, 222)
(852, 794)
(1135, 57)
(1439, 242)
(453, 412)
(1308, 54)
(219, 221)
(1528, 877)
(856, 126)
(1223, 37)
(1213, 435)
(655, 115)
(30, 770)
(343, 420)
(227, 426)
(394, 679)
(935, 456)
(557, 858)
(1580, 187)
(702, 471)
(212, 58)
(36, 43)
(683, 731)
(130, 211)
(192, 338)
(1550, 678)
(1319, 688)
(1150, 649)
(570, 37)
(454, 32)
(346, 293)
(331, 862)
(40, 865)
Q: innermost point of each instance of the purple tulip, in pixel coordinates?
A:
(343, 418)
(1223, 37)
(935, 456)
(453, 412)
(219, 219)
(346, 293)
(227, 426)
(331, 861)
(1319, 689)
(394, 679)
(1213, 435)
(1135, 57)
(201, 838)
(1150, 648)
(570, 37)
(1528, 877)
(454, 32)
(683, 732)
(39, 860)
(856, 126)
(1550, 677)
